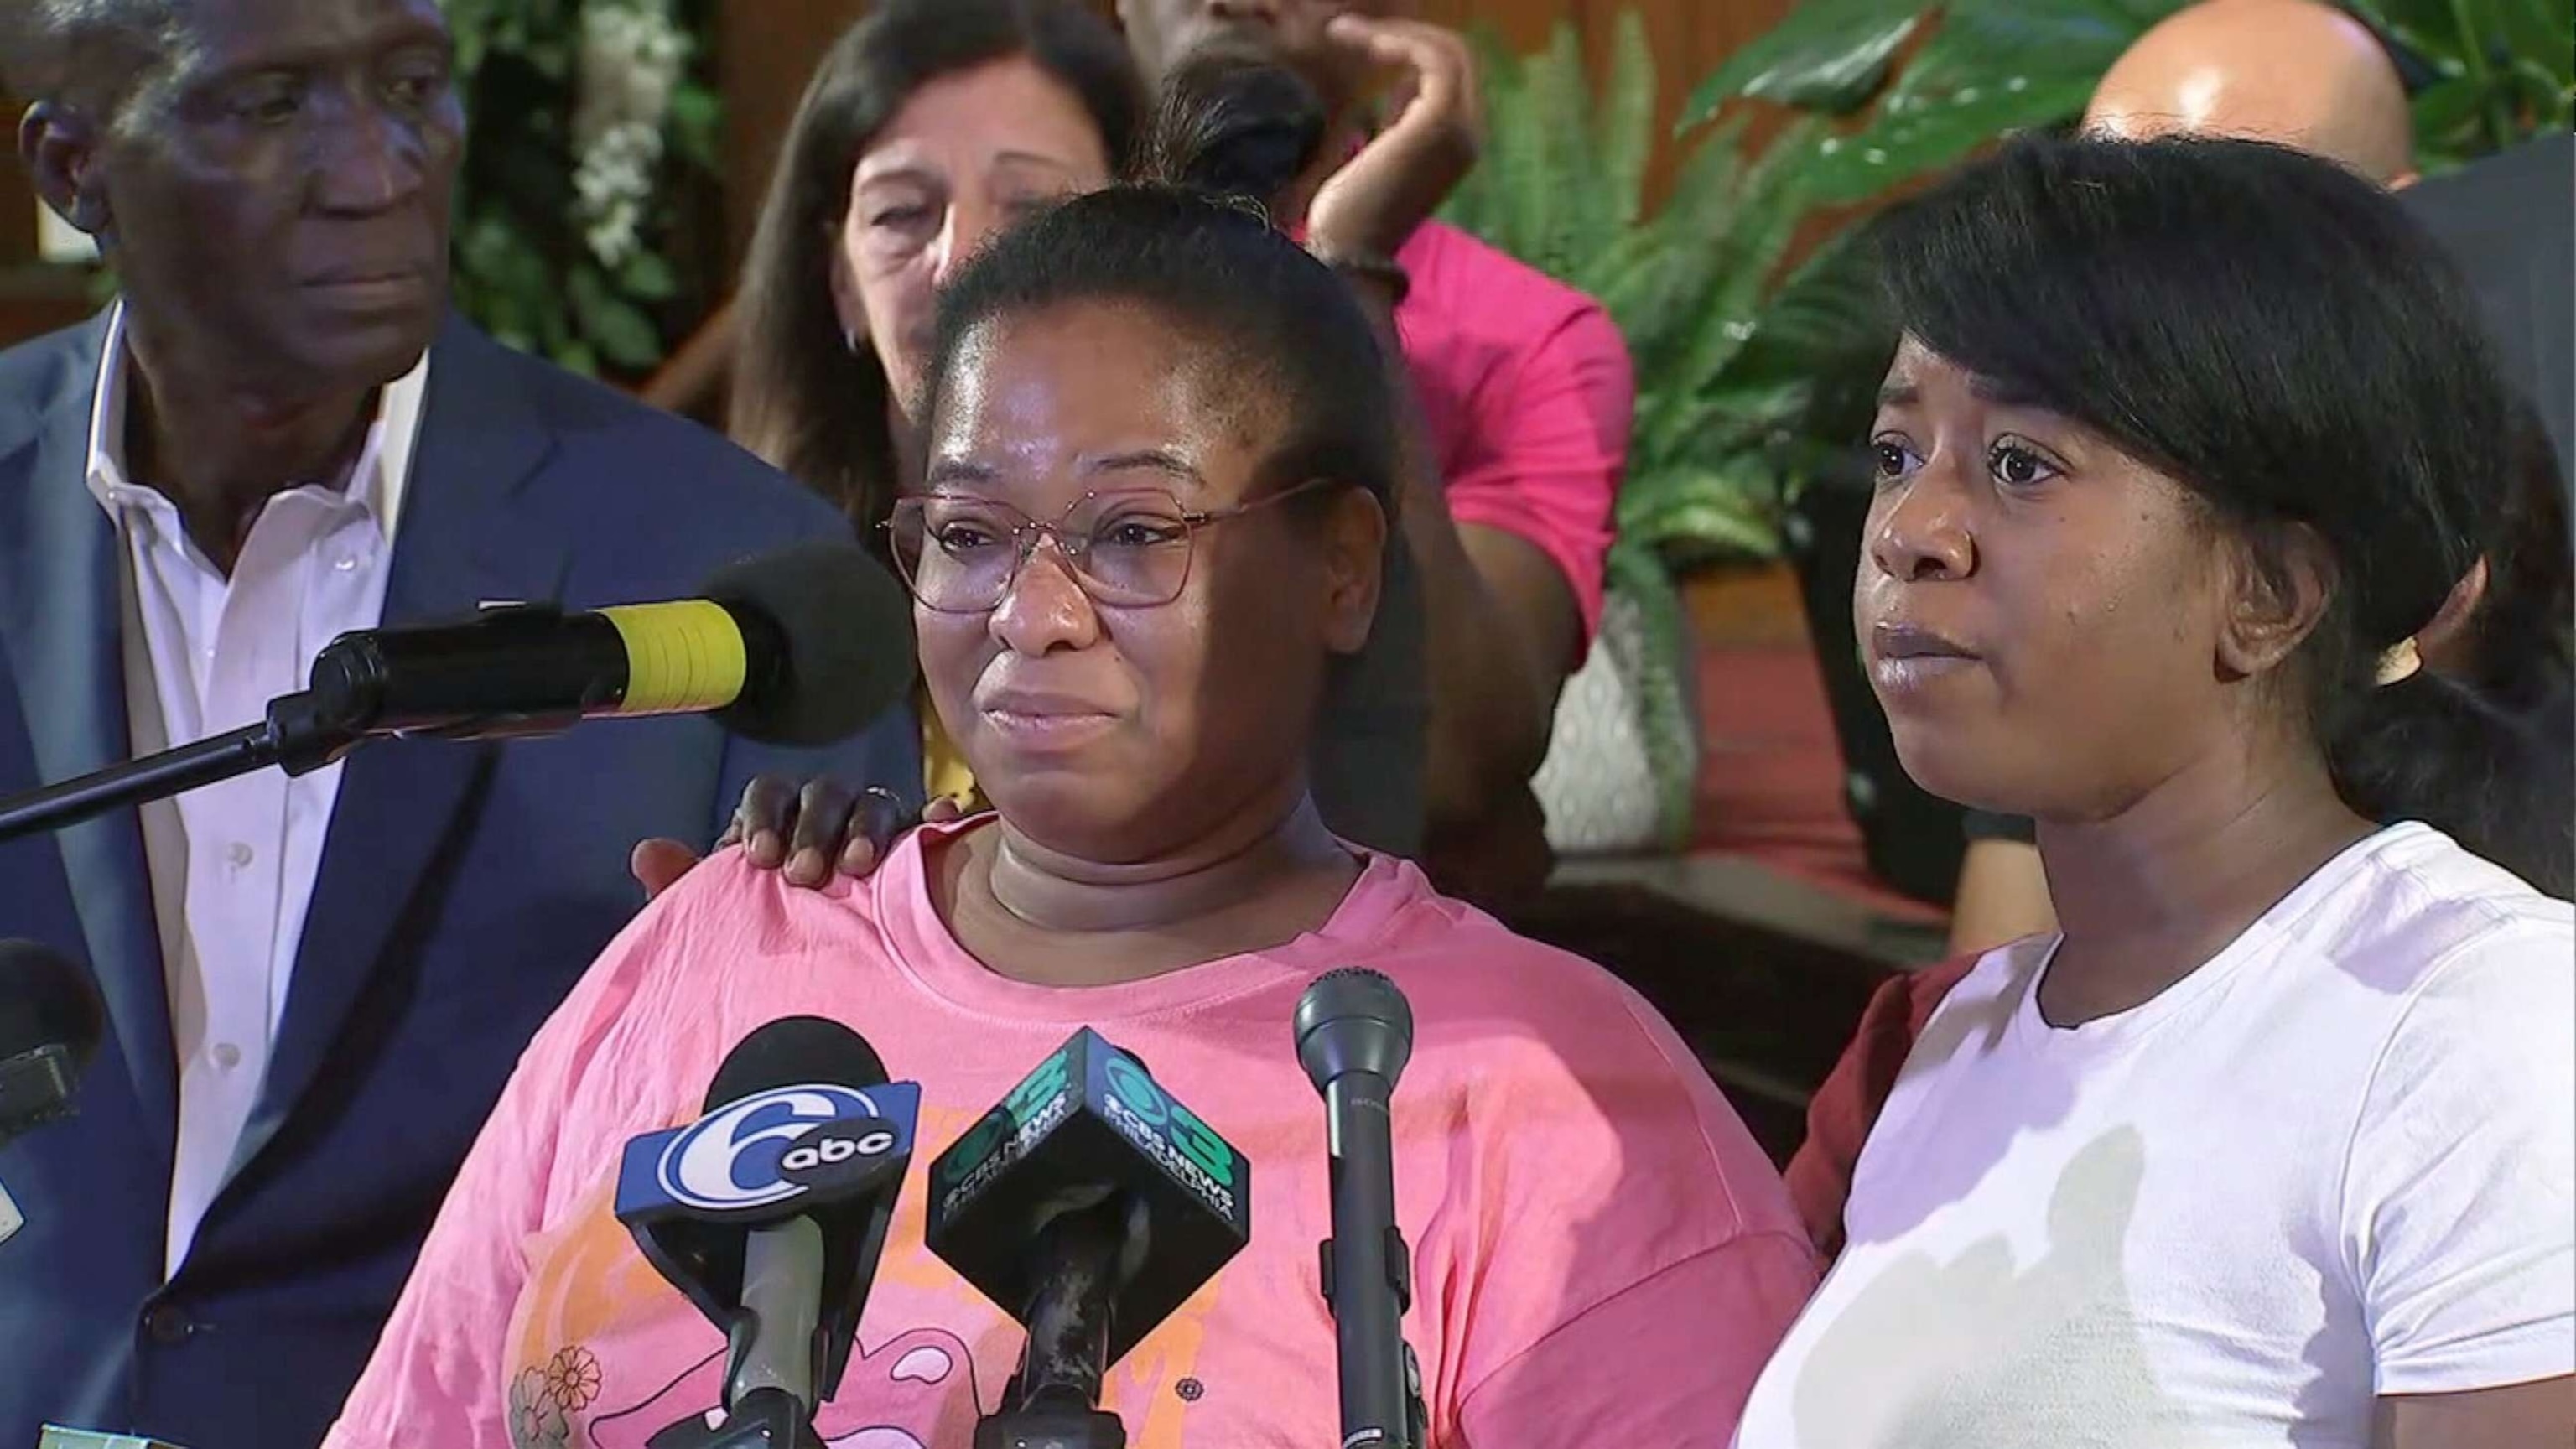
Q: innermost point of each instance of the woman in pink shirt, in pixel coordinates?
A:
(1159, 465)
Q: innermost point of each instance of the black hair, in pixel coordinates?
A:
(803, 398)
(1235, 122)
(2280, 337)
(1280, 327)
(2522, 633)
(1189, 241)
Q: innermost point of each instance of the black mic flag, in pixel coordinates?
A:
(1088, 1205)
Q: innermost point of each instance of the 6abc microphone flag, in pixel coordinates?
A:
(1088, 1204)
(769, 1212)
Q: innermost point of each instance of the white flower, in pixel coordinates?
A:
(631, 58)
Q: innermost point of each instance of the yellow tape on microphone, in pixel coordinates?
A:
(681, 658)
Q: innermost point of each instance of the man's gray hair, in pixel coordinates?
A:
(53, 49)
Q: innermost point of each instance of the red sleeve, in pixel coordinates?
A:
(1550, 445)
(1839, 1116)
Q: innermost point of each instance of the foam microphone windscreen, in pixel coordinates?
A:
(795, 1051)
(844, 650)
(45, 1000)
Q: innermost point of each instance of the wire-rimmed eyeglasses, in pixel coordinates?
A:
(1128, 548)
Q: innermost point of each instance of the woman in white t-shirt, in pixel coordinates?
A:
(2276, 1144)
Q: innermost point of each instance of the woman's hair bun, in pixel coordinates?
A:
(1235, 124)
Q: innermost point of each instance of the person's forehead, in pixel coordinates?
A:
(1096, 379)
(1006, 113)
(223, 34)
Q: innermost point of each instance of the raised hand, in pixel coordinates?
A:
(1371, 206)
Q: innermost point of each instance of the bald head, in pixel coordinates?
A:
(2291, 71)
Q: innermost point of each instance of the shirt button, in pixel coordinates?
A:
(239, 854)
(168, 1325)
(227, 1056)
(344, 563)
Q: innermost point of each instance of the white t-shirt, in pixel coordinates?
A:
(2336, 1162)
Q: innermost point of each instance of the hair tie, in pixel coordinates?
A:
(2400, 662)
(1369, 266)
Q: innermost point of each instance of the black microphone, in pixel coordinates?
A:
(1354, 1035)
(803, 646)
(770, 1213)
(50, 1024)
(1088, 1205)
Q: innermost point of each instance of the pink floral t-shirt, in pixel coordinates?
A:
(1601, 1253)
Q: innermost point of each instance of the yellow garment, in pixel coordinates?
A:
(944, 771)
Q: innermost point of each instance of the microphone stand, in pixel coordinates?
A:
(296, 735)
(304, 731)
(765, 1419)
(1367, 1279)
(1055, 1397)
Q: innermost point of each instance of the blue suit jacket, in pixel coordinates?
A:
(463, 889)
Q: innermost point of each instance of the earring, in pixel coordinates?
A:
(850, 339)
(2399, 663)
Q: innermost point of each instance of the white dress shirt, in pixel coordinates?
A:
(233, 864)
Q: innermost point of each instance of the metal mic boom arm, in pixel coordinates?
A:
(297, 735)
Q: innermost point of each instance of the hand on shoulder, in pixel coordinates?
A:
(809, 832)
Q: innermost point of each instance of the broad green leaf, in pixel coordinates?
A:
(2540, 33)
(1896, 148)
(1828, 55)
(2543, 95)
(2430, 28)
(2447, 114)
(1982, 44)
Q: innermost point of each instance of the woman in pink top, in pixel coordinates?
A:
(1159, 465)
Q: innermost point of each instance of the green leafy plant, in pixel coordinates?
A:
(585, 128)
(2499, 70)
(1722, 356)
(2502, 70)
(1748, 380)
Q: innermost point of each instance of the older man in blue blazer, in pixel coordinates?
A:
(315, 986)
